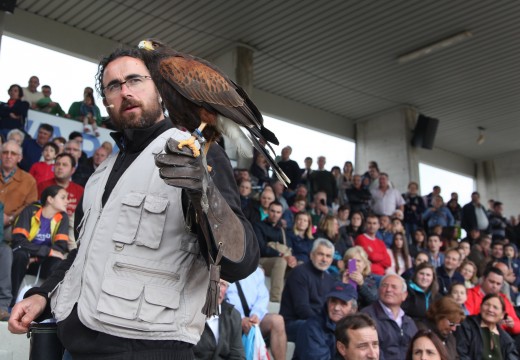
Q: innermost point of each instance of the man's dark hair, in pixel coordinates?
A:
(47, 127)
(275, 202)
(493, 270)
(135, 53)
(497, 203)
(72, 160)
(74, 134)
(352, 322)
(46, 87)
(475, 193)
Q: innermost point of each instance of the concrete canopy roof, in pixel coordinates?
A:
(337, 56)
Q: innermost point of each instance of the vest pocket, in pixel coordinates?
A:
(141, 220)
(120, 298)
(158, 304)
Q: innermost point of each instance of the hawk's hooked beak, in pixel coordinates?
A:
(146, 45)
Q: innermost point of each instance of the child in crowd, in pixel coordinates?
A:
(464, 249)
(398, 252)
(468, 270)
(44, 170)
(88, 114)
(511, 258)
(458, 292)
(434, 248)
(343, 215)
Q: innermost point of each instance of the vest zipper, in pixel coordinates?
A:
(139, 269)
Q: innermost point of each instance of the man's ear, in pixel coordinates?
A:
(341, 348)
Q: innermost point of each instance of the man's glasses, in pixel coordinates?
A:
(454, 324)
(134, 83)
(9, 152)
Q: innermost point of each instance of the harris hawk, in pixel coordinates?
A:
(202, 99)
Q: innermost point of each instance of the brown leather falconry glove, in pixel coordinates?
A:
(217, 220)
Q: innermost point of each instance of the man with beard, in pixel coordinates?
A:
(137, 283)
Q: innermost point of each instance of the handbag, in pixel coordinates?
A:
(281, 247)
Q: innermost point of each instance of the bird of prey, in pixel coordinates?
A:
(202, 99)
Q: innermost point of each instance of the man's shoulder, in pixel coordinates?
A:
(75, 187)
(24, 176)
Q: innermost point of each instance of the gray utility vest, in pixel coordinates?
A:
(138, 273)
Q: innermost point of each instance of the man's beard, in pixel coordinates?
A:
(148, 117)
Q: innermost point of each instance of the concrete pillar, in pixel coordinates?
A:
(385, 138)
(238, 65)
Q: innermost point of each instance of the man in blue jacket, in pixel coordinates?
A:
(316, 340)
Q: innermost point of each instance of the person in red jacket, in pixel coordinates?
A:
(491, 284)
(374, 247)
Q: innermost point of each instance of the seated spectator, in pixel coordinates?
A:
(259, 170)
(491, 284)
(306, 288)
(88, 115)
(319, 208)
(510, 284)
(257, 211)
(245, 190)
(45, 104)
(418, 242)
(316, 339)
(16, 135)
(17, 187)
(356, 227)
(385, 231)
(385, 199)
(100, 155)
(81, 171)
(358, 197)
(275, 249)
(422, 291)
(438, 214)
(222, 336)
(362, 278)
(31, 93)
(468, 270)
(447, 274)
(329, 229)
(44, 170)
(290, 167)
(63, 170)
(374, 247)
(459, 294)
(443, 317)
(497, 250)
(40, 237)
(394, 328)
(301, 237)
(481, 253)
(426, 345)
(511, 259)
(464, 248)
(60, 141)
(356, 338)
(13, 113)
(413, 210)
(420, 258)
(78, 137)
(399, 255)
(278, 189)
(251, 298)
(6, 260)
(434, 249)
(481, 336)
(75, 112)
(33, 148)
(343, 215)
(299, 205)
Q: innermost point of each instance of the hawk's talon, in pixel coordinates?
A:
(191, 144)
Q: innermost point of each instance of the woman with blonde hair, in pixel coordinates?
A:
(362, 278)
(301, 237)
(469, 270)
(328, 228)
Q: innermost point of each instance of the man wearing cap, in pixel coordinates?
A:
(316, 340)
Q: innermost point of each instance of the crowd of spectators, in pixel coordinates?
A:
(359, 269)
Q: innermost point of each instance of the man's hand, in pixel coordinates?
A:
(509, 322)
(248, 322)
(180, 168)
(291, 261)
(25, 312)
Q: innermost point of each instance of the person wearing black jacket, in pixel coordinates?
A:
(137, 113)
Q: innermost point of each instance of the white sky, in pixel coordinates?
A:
(68, 76)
